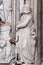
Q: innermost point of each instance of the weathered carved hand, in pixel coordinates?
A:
(17, 25)
(25, 20)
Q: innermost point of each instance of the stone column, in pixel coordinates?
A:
(35, 14)
(15, 15)
(17, 10)
(13, 18)
(39, 32)
(42, 30)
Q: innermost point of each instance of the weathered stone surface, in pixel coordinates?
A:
(42, 28)
(6, 48)
(26, 41)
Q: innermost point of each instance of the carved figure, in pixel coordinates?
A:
(26, 32)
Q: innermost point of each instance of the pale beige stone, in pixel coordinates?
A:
(26, 43)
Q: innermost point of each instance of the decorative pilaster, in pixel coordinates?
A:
(15, 16)
(39, 32)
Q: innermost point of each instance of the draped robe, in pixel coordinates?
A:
(26, 43)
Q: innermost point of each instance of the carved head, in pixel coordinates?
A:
(26, 7)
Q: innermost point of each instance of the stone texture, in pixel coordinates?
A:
(42, 28)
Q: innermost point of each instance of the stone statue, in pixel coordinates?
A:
(7, 49)
(26, 32)
(7, 44)
(7, 52)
